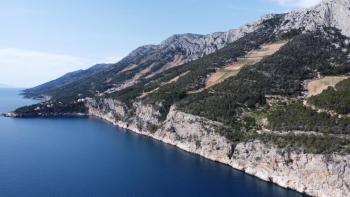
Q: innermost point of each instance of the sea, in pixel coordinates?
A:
(87, 157)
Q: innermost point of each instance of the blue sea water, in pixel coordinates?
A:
(83, 157)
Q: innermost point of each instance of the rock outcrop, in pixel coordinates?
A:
(329, 13)
(196, 46)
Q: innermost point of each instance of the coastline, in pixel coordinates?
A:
(217, 158)
(317, 175)
(209, 157)
(309, 174)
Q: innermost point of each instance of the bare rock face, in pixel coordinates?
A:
(329, 13)
(108, 109)
(316, 175)
(145, 116)
(195, 46)
(140, 117)
(194, 134)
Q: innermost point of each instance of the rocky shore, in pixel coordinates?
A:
(318, 175)
(313, 174)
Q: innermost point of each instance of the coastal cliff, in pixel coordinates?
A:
(313, 174)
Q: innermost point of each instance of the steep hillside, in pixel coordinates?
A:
(143, 63)
(148, 61)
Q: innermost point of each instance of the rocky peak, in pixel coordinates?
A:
(329, 13)
(140, 51)
(194, 46)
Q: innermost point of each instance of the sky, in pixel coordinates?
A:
(41, 40)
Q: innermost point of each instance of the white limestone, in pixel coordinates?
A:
(329, 13)
(313, 174)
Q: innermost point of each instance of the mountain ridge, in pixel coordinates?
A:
(66, 79)
(188, 47)
(181, 44)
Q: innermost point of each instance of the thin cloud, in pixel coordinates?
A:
(297, 3)
(25, 68)
(112, 59)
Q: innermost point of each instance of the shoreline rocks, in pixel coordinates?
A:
(313, 174)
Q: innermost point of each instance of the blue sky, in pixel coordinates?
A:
(43, 39)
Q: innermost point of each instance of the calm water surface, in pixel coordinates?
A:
(81, 157)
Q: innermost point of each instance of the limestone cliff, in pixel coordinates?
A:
(329, 13)
(313, 174)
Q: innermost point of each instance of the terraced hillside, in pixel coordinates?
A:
(251, 58)
(334, 99)
(317, 86)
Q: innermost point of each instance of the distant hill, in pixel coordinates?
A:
(66, 79)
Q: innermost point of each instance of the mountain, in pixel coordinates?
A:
(271, 98)
(144, 62)
(150, 60)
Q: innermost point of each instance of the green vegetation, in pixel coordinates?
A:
(51, 109)
(199, 70)
(293, 117)
(298, 117)
(304, 143)
(336, 99)
(280, 74)
(308, 143)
